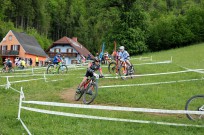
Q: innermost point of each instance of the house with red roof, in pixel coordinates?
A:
(21, 45)
(71, 49)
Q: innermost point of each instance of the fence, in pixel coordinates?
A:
(112, 108)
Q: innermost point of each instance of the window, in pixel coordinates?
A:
(15, 47)
(4, 47)
(57, 50)
(10, 37)
(70, 50)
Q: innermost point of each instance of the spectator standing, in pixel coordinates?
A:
(36, 61)
(31, 62)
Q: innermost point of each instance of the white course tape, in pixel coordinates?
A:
(197, 71)
(27, 80)
(114, 108)
(146, 84)
(25, 127)
(164, 73)
(15, 90)
(151, 63)
(3, 85)
(106, 118)
(142, 58)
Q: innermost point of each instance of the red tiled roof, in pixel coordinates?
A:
(76, 45)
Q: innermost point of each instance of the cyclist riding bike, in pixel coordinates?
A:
(92, 67)
(57, 59)
(8, 64)
(124, 56)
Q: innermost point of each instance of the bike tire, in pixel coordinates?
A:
(78, 96)
(132, 72)
(112, 67)
(87, 97)
(50, 69)
(121, 72)
(11, 70)
(62, 69)
(193, 104)
(3, 70)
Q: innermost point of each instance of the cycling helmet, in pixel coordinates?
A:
(96, 59)
(122, 48)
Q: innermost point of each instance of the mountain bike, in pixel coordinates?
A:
(126, 71)
(10, 70)
(59, 68)
(88, 90)
(195, 103)
(121, 68)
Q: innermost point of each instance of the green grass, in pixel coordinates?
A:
(162, 96)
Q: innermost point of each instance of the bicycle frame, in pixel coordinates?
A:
(85, 85)
(201, 108)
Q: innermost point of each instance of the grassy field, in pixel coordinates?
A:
(163, 96)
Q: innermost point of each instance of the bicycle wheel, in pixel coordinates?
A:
(77, 96)
(112, 67)
(50, 69)
(62, 69)
(195, 103)
(90, 93)
(123, 72)
(131, 72)
(11, 70)
(3, 70)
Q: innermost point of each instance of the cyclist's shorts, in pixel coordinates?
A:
(9, 64)
(55, 63)
(128, 58)
(88, 74)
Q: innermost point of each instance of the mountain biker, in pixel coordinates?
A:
(8, 63)
(92, 67)
(124, 56)
(23, 63)
(57, 59)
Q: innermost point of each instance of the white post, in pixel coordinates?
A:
(20, 103)
(45, 77)
(32, 71)
(8, 84)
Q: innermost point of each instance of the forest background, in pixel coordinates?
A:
(141, 26)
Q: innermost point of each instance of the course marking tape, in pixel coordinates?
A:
(142, 58)
(164, 73)
(151, 63)
(146, 84)
(14, 90)
(113, 108)
(106, 118)
(25, 127)
(197, 71)
(27, 80)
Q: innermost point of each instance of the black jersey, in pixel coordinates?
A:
(94, 66)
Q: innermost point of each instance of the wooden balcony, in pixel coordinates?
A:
(53, 54)
(9, 52)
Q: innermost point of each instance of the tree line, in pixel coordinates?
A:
(141, 26)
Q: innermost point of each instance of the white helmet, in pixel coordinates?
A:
(122, 48)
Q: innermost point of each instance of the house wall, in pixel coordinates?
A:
(8, 42)
(33, 57)
(63, 49)
(22, 53)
